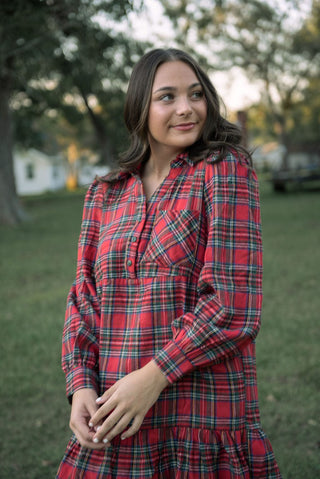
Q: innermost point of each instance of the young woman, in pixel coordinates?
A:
(158, 345)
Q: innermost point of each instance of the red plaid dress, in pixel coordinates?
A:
(179, 280)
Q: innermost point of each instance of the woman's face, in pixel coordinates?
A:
(178, 108)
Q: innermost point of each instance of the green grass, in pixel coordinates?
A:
(37, 262)
(288, 344)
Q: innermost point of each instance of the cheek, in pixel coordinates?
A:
(203, 111)
(153, 129)
(153, 115)
(157, 119)
(151, 121)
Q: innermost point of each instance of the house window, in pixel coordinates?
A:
(30, 171)
(55, 172)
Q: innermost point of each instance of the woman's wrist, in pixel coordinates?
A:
(156, 375)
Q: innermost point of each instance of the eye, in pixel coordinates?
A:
(166, 97)
(197, 95)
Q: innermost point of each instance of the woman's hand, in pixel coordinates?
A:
(129, 399)
(84, 406)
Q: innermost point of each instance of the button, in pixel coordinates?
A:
(129, 262)
(133, 239)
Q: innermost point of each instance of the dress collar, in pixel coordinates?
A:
(182, 158)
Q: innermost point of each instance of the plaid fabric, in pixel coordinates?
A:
(179, 280)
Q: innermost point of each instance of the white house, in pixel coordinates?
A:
(36, 172)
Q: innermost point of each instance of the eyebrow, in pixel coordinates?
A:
(171, 88)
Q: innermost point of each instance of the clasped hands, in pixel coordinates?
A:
(96, 421)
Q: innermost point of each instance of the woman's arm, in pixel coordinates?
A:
(227, 314)
(81, 328)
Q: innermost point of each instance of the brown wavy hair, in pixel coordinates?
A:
(218, 135)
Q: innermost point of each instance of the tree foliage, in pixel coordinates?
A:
(76, 62)
(273, 42)
(63, 59)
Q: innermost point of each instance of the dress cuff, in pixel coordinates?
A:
(173, 362)
(81, 377)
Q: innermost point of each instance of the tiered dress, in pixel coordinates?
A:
(177, 279)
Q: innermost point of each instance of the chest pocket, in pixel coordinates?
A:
(173, 238)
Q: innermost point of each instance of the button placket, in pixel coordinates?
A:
(133, 240)
(131, 253)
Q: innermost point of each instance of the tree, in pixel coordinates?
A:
(276, 43)
(304, 126)
(51, 50)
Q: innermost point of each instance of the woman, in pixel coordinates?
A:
(158, 345)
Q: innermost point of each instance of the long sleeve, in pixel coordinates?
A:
(227, 313)
(81, 328)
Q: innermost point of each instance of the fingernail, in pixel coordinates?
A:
(105, 440)
(95, 440)
(99, 427)
(90, 424)
(123, 437)
(98, 399)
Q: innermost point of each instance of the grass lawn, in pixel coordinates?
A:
(37, 263)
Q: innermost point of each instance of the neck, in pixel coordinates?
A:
(159, 161)
(156, 168)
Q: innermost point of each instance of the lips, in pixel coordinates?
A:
(184, 126)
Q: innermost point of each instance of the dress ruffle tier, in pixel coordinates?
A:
(175, 453)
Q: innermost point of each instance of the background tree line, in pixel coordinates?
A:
(64, 66)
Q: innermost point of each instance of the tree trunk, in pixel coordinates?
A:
(11, 211)
(100, 131)
(285, 142)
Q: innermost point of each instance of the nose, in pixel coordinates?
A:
(183, 106)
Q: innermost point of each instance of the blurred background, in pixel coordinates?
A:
(64, 68)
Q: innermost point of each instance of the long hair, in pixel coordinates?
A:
(218, 134)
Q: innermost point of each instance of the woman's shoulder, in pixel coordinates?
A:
(107, 181)
(232, 159)
(95, 192)
(230, 169)
(102, 186)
